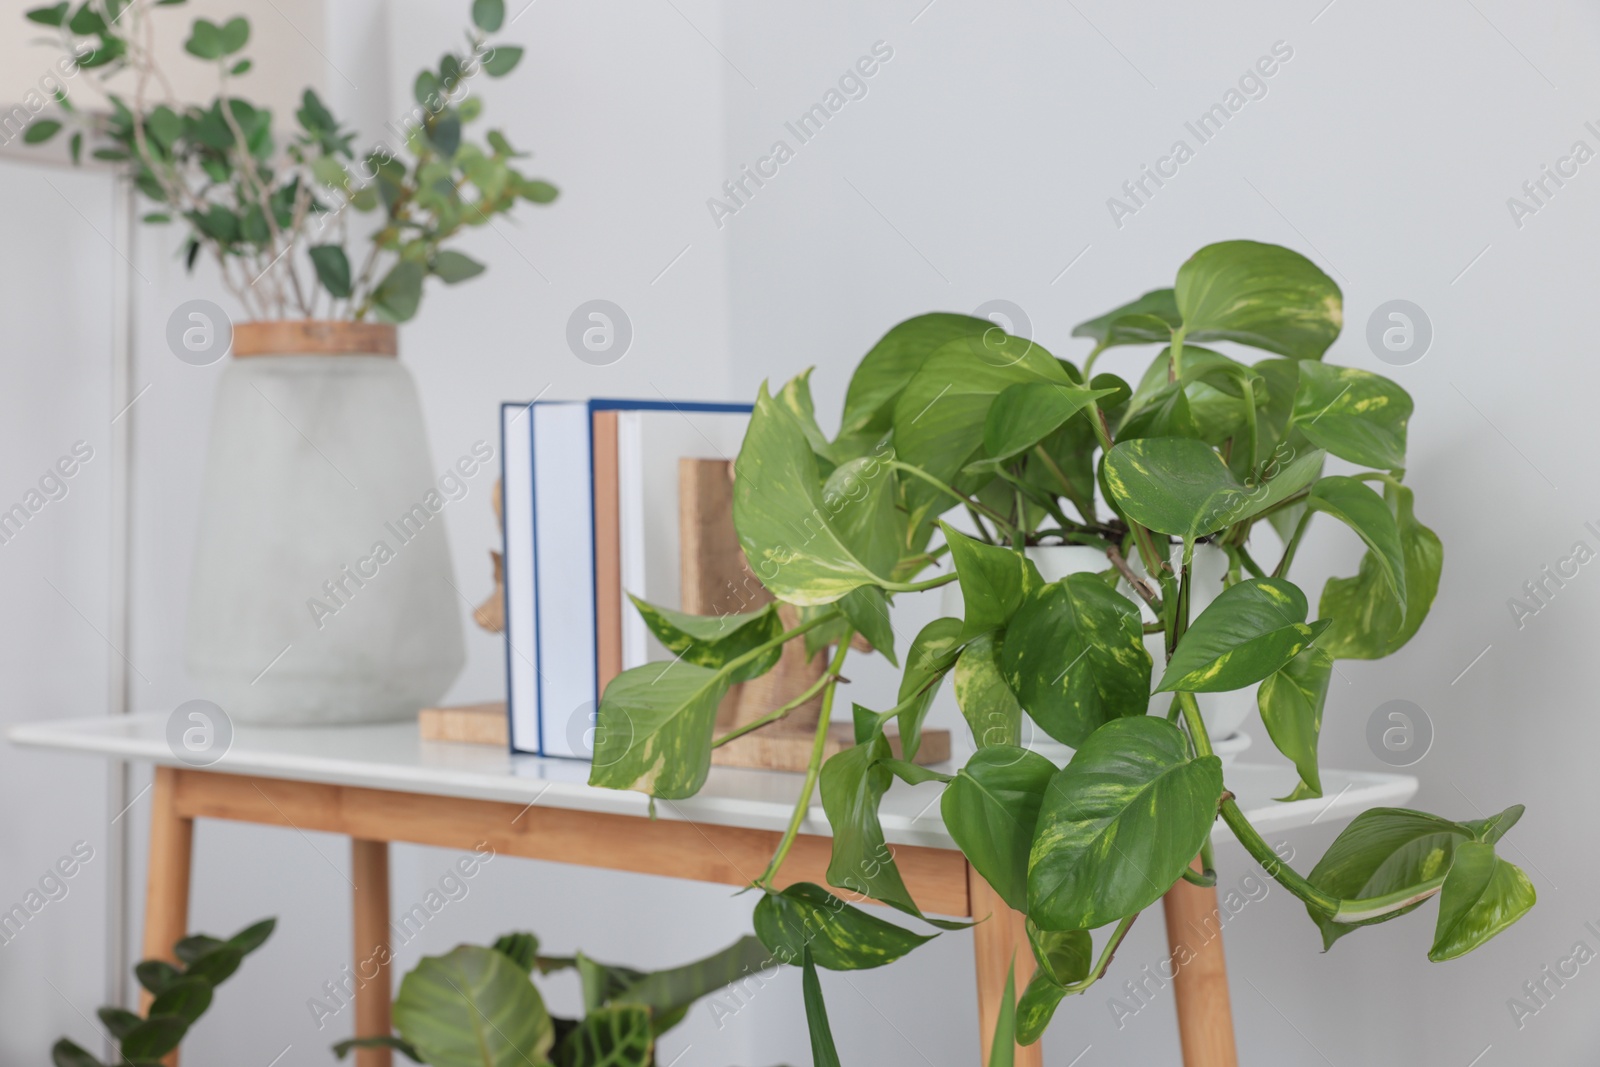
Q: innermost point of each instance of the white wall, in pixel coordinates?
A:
(978, 167)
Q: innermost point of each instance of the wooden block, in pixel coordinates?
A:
(779, 749)
(476, 724)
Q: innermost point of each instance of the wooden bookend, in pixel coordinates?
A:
(716, 579)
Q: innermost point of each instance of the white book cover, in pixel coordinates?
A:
(516, 505)
(563, 550)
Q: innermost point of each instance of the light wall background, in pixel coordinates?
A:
(976, 167)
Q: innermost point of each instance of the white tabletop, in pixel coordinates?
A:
(395, 757)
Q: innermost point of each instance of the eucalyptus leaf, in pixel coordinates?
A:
(1291, 701)
(1074, 655)
(1482, 895)
(487, 15)
(1260, 295)
(1355, 414)
(655, 726)
(1252, 629)
(779, 513)
(501, 60)
(839, 936)
(472, 1007)
(991, 809)
(398, 294)
(1119, 824)
(452, 267)
(333, 269)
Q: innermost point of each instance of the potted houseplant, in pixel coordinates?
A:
(949, 413)
(322, 586)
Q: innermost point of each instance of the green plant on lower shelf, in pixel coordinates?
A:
(479, 1007)
(950, 414)
(182, 992)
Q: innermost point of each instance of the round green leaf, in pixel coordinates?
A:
(501, 59)
(1261, 295)
(1074, 655)
(398, 295)
(488, 15)
(333, 269)
(473, 1007)
(1250, 630)
(453, 267)
(40, 130)
(1119, 824)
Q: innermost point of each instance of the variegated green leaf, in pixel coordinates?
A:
(654, 729)
(1384, 851)
(1147, 320)
(1482, 895)
(933, 652)
(1355, 414)
(1369, 622)
(1026, 413)
(841, 936)
(1261, 295)
(1291, 703)
(994, 580)
(1119, 824)
(715, 640)
(1074, 655)
(885, 370)
(990, 810)
(1250, 630)
(1359, 507)
(986, 701)
(784, 526)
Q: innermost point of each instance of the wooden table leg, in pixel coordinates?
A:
(1200, 978)
(369, 870)
(166, 897)
(999, 938)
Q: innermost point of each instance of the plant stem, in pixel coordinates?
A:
(1176, 365)
(994, 516)
(1281, 872)
(1088, 363)
(777, 713)
(917, 587)
(788, 635)
(813, 768)
(1107, 954)
(1249, 564)
(1294, 544)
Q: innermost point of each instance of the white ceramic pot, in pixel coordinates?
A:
(322, 589)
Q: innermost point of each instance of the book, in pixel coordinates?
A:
(594, 488)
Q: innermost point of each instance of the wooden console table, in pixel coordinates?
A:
(377, 784)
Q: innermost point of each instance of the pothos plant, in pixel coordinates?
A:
(478, 1006)
(948, 413)
(272, 205)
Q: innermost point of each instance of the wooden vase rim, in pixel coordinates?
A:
(314, 337)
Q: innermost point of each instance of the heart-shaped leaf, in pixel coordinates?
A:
(853, 784)
(472, 1007)
(1074, 655)
(866, 609)
(654, 729)
(1173, 485)
(841, 937)
(1119, 824)
(991, 809)
(716, 640)
(779, 513)
(994, 581)
(891, 363)
(1147, 320)
(1383, 851)
(986, 701)
(1026, 413)
(1355, 414)
(1261, 295)
(1291, 703)
(859, 498)
(1250, 630)
(1359, 507)
(1369, 621)
(1482, 895)
(933, 652)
